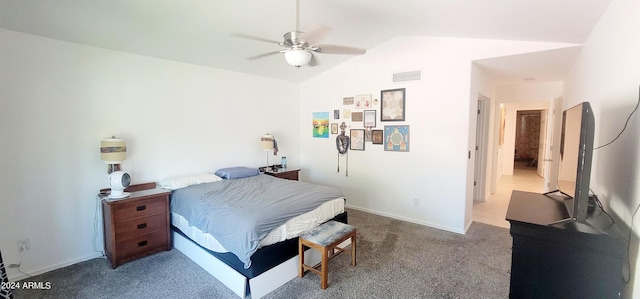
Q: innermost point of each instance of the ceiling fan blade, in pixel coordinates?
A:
(263, 55)
(317, 35)
(240, 35)
(335, 49)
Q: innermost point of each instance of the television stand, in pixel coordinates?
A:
(565, 260)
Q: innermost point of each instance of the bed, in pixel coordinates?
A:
(259, 252)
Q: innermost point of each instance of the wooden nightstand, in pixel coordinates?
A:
(136, 226)
(284, 173)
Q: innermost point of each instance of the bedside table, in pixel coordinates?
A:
(136, 226)
(283, 173)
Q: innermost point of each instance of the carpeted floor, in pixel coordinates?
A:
(396, 259)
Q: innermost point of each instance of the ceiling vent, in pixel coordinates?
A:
(407, 76)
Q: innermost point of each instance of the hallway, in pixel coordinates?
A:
(494, 209)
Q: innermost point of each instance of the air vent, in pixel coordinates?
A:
(407, 76)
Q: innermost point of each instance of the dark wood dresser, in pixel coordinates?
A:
(136, 226)
(570, 260)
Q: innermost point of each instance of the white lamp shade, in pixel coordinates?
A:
(113, 150)
(297, 57)
(266, 142)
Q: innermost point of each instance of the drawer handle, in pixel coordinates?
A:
(142, 225)
(143, 243)
(141, 208)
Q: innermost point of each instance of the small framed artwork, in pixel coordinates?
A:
(346, 113)
(356, 116)
(320, 123)
(336, 114)
(347, 101)
(357, 139)
(392, 105)
(334, 128)
(396, 138)
(377, 136)
(363, 101)
(369, 119)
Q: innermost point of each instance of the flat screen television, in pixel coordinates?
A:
(576, 152)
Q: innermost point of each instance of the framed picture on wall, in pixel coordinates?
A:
(392, 105)
(363, 101)
(369, 119)
(377, 136)
(347, 101)
(334, 128)
(357, 139)
(356, 116)
(320, 124)
(396, 138)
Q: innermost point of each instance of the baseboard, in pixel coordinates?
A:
(24, 274)
(449, 229)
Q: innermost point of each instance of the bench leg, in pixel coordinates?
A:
(324, 268)
(353, 250)
(301, 253)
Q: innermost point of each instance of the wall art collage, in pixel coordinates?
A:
(363, 114)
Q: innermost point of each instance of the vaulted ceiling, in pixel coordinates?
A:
(204, 32)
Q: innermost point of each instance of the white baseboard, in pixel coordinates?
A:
(20, 275)
(449, 229)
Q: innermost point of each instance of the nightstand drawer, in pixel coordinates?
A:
(139, 244)
(138, 208)
(287, 174)
(141, 226)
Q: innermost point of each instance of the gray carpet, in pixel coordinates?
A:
(396, 259)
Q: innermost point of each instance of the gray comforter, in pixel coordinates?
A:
(239, 213)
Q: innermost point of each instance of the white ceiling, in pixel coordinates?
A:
(201, 31)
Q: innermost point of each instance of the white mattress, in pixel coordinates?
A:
(291, 229)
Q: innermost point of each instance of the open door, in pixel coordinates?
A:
(542, 143)
(479, 179)
(546, 159)
(552, 137)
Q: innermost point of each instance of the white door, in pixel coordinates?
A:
(542, 141)
(551, 119)
(479, 179)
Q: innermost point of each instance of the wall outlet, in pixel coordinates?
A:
(416, 202)
(24, 245)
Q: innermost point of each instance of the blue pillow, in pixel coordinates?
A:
(236, 172)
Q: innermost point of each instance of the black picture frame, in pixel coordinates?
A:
(393, 104)
(377, 136)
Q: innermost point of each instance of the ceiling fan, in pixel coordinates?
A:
(300, 46)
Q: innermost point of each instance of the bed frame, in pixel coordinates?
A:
(272, 266)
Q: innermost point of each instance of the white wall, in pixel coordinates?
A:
(607, 74)
(436, 171)
(59, 99)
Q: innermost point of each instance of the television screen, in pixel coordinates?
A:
(576, 151)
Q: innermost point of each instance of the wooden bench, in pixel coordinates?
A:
(326, 238)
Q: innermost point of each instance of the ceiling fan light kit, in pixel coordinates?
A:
(297, 57)
(300, 45)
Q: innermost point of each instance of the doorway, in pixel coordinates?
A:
(527, 141)
(525, 146)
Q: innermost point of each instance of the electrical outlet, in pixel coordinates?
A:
(24, 245)
(416, 202)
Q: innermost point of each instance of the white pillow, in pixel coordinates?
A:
(182, 181)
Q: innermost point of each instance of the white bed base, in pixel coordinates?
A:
(259, 285)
